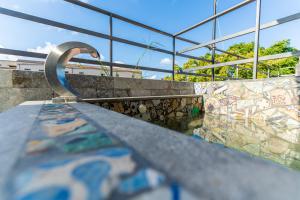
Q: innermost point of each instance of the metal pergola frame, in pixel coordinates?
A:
(211, 45)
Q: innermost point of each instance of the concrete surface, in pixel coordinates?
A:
(208, 171)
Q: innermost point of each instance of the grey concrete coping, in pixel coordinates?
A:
(15, 125)
(208, 171)
(139, 98)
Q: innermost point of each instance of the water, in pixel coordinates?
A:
(275, 142)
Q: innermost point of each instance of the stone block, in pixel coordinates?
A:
(81, 81)
(22, 79)
(127, 83)
(186, 92)
(6, 78)
(87, 92)
(10, 97)
(182, 85)
(39, 80)
(156, 84)
(104, 82)
(104, 93)
(121, 93)
(136, 93)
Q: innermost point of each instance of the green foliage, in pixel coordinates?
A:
(283, 66)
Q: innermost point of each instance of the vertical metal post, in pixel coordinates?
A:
(173, 58)
(237, 71)
(214, 35)
(268, 72)
(111, 44)
(297, 69)
(257, 34)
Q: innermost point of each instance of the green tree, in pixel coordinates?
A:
(283, 66)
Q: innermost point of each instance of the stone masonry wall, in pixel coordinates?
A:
(275, 99)
(157, 110)
(19, 86)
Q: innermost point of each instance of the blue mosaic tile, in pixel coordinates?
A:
(92, 174)
(81, 161)
(57, 193)
(143, 179)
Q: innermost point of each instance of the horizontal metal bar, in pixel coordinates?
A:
(76, 29)
(44, 21)
(22, 53)
(105, 12)
(108, 13)
(249, 60)
(193, 74)
(237, 6)
(141, 45)
(240, 67)
(209, 47)
(186, 40)
(202, 75)
(245, 32)
(230, 53)
(142, 68)
(78, 60)
(193, 57)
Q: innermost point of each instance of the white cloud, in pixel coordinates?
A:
(119, 62)
(166, 61)
(152, 77)
(102, 57)
(45, 49)
(74, 33)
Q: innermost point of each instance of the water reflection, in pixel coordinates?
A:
(279, 142)
(276, 142)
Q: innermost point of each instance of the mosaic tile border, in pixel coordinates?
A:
(69, 156)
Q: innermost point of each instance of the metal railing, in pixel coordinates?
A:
(258, 27)
(211, 45)
(110, 37)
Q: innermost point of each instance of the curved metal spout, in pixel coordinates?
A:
(56, 63)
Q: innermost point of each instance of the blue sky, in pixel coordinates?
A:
(168, 15)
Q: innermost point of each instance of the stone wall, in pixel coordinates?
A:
(275, 99)
(19, 86)
(158, 110)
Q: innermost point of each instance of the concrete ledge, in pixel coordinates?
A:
(208, 171)
(140, 98)
(15, 125)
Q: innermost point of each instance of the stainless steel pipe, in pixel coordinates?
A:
(56, 63)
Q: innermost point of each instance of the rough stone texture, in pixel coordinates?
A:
(9, 97)
(19, 86)
(162, 109)
(273, 99)
(6, 79)
(208, 171)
